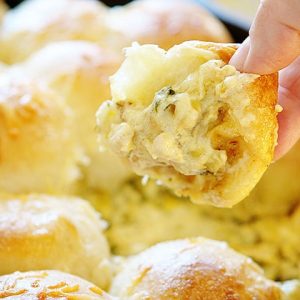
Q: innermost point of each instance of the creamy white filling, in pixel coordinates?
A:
(174, 128)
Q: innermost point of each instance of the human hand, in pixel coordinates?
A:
(274, 45)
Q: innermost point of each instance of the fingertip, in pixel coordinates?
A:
(286, 141)
(240, 57)
(289, 123)
(281, 148)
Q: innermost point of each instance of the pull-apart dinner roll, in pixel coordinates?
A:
(39, 232)
(48, 285)
(188, 119)
(197, 269)
(79, 71)
(37, 149)
(35, 23)
(165, 23)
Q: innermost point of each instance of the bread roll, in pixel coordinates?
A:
(44, 232)
(165, 23)
(192, 121)
(48, 285)
(193, 269)
(35, 23)
(79, 72)
(38, 152)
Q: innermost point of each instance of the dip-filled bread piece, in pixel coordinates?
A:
(191, 121)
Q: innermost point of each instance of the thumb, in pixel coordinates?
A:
(274, 40)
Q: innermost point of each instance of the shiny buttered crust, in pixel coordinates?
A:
(166, 23)
(191, 121)
(35, 23)
(193, 269)
(79, 71)
(43, 232)
(37, 149)
(48, 285)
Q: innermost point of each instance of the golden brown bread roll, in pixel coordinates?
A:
(37, 149)
(193, 269)
(166, 23)
(39, 232)
(79, 72)
(35, 23)
(48, 285)
(192, 121)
